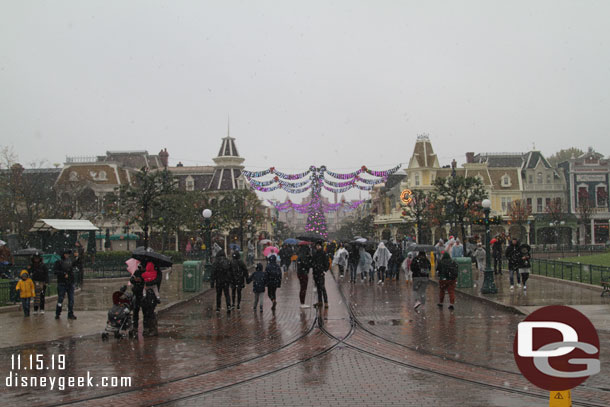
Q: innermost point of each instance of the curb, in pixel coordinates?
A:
(48, 300)
(489, 301)
(569, 282)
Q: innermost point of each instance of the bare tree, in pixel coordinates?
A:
(585, 213)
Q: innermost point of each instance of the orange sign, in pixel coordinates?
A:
(406, 196)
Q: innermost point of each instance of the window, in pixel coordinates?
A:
(539, 178)
(73, 176)
(583, 195)
(416, 180)
(539, 205)
(506, 181)
(529, 203)
(190, 183)
(506, 203)
(548, 178)
(547, 202)
(102, 176)
(530, 179)
(602, 196)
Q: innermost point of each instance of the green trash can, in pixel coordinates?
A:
(464, 272)
(191, 275)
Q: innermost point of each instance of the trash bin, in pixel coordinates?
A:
(464, 272)
(191, 275)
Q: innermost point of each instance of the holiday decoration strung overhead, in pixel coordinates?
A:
(318, 178)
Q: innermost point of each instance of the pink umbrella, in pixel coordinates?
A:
(132, 265)
(270, 249)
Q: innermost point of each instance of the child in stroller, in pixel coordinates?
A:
(119, 316)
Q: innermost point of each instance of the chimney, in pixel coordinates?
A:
(469, 157)
(164, 156)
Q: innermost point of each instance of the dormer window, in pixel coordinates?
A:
(539, 178)
(103, 176)
(190, 183)
(506, 180)
(417, 180)
(73, 176)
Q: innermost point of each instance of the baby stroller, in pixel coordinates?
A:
(120, 322)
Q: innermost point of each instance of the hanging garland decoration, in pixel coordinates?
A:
(316, 221)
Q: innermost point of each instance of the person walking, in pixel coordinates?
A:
(25, 286)
(514, 258)
(320, 265)
(395, 261)
(353, 259)
(480, 255)
(274, 280)
(239, 274)
(421, 272)
(221, 279)
(40, 276)
(381, 258)
(458, 249)
(496, 250)
(259, 282)
(285, 254)
(303, 266)
(64, 270)
(364, 263)
(447, 276)
(524, 263)
(341, 259)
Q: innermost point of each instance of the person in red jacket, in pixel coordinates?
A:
(150, 280)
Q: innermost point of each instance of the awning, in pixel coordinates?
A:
(48, 225)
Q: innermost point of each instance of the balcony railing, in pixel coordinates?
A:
(81, 160)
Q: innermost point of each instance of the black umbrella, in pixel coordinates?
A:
(30, 251)
(310, 237)
(421, 248)
(142, 254)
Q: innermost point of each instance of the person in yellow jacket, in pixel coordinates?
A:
(25, 286)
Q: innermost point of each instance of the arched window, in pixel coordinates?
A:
(102, 176)
(539, 178)
(506, 180)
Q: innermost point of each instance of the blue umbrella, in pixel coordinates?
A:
(291, 241)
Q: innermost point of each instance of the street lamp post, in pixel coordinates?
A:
(489, 285)
(207, 214)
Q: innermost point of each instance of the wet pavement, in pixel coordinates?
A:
(368, 348)
(543, 291)
(91, 306)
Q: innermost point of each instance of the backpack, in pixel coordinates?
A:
(453, 271)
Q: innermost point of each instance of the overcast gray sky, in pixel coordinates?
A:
(340, 83)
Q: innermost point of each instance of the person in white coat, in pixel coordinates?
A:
(381, 257)
(340, 259)
(365, 262)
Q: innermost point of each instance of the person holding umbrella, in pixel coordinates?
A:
(137, 288)
(221, 278)
(40, 276)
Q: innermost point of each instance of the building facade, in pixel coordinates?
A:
(587, 179)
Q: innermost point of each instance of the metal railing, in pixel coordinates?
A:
(584, 273)
(566, 250)
(8, 294)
